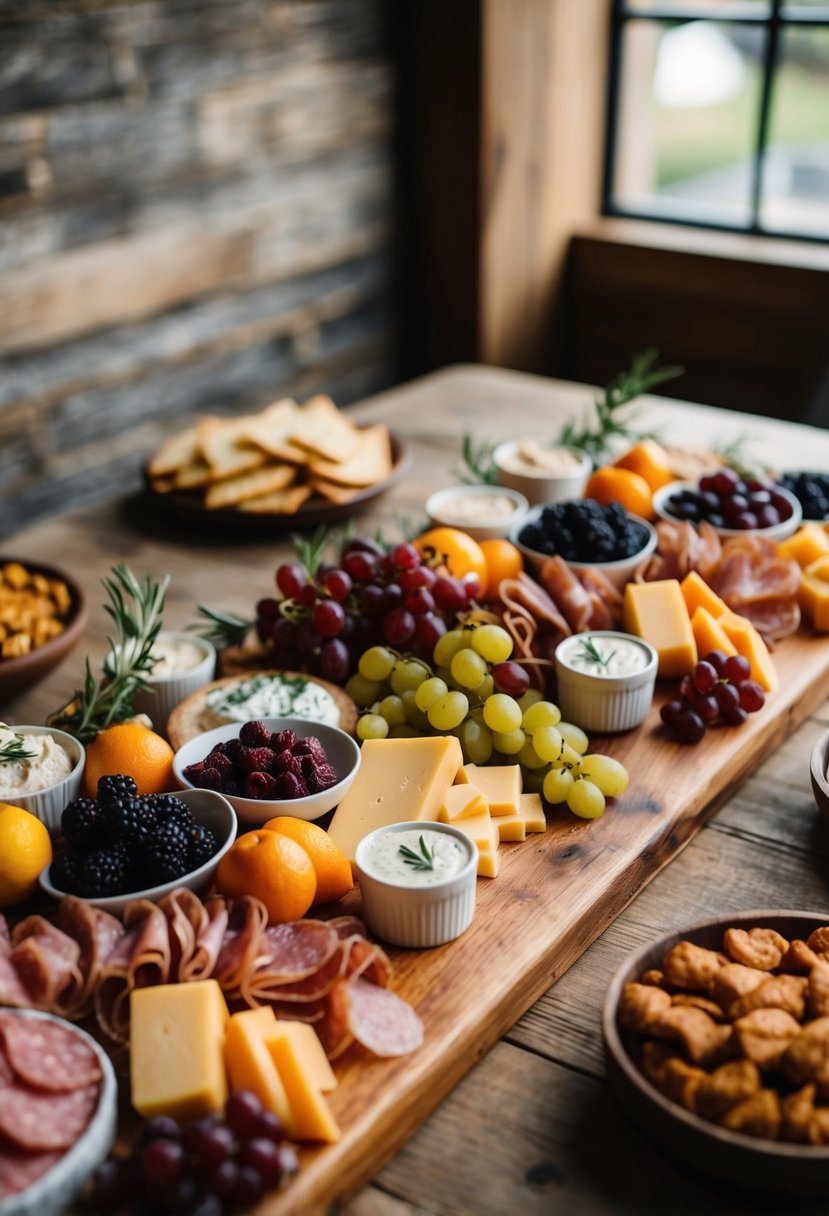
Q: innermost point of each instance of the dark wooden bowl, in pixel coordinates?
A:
(16, 675)
(818, 769)
(745, 1161)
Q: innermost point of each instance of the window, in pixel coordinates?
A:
(718, 114)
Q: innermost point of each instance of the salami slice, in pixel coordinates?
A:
(43, 1121)
(48, 1056)
(18, 1169)
(381, 1021)
(6, 1074)
(298, 949)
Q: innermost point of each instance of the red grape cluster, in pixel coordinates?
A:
(719, 688)
(208, 1168)
(725, 500)
(323, 624)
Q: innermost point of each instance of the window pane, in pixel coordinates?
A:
(704, 8)
(796, 166)
(688, 109)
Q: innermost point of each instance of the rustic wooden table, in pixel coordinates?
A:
(533, 1127)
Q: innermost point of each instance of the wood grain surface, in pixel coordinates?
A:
(522, 1128)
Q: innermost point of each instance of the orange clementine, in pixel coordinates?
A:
(503, 560)
(25, 848)
(272, 867)
(610, 484)
(456, 550)
(331, 866)
(134, 750)
(650, 461)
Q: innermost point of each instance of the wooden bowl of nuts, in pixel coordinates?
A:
(42, 615)
(717, 1042)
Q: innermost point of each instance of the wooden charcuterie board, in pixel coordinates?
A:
(555, 894)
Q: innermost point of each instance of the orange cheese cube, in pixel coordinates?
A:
(462, 802)
(532, 811)
(813, 597)
(806, 545)
(657, 613)
(697, 594)
(249, 1063)
(819, 568)
(489, 864)
(500, 786)
(749, 644)
(709, 635)
(308, 1048)
(309, 1116)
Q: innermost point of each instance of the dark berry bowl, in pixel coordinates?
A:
(209, 810)
(677, 491)
(619, 570)
(341, 752)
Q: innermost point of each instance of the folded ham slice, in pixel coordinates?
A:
(140, 959)
(47, 960)
(96, 933)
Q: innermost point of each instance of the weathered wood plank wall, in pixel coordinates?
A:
(195, 215)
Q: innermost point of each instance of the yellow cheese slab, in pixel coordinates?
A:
(697, 594)
(749, 644)
(709, 635)
(511, 828)
(479, 828)
(398, 780)
(819, 568)
(806, 545)
(248, 1060)
(489, 864)
(309, 1116)
(462, 802)
(308, 1049)
(813, 597)
(532, 811)
(499, 784)
(656, 612)
(176, 1059)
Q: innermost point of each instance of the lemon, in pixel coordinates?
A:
(25, 848)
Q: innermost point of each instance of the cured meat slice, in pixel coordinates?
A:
(6, 1074)
(19, 1169)
(333, 1028)
(243, 947)
(140, 959)
(299, 1011)
(380, 1020)
(96, 933)
(371, 961)
(209, 940)
(681, 548)
(47, 960)
(48, 1056)
(12, 991)
(564, 588)
(605, 600)
(312, 988)
(186, 917)
(43, 1121)
(522, 595)
(347, 926)
(298, 949)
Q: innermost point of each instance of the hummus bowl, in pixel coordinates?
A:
(48, 803)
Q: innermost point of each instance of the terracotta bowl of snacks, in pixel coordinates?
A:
(484, 512)
(48, 774)
(729, 1094)
(292, 775)
(539, 536)
(205, 809)
(770, 510)
(31, 649)
(819, 772)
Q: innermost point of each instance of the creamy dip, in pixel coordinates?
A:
(270, 697)
(382, 857)
(46, 765)
(532, 457)
(173, 655)
(617, 656)
(477, 508)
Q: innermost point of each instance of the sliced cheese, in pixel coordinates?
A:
(532, 810)
(500, 786)
(656, 612)
(511, 828)
(709, 635)
(749, 644)
(489, 864)
(308, 1048)
(806, 545)
(398, 780)
(813, 597)
(479, 828)
(309, 1117)
(462, 802)
(697, 594)
(249, 1062)
(176, 1060)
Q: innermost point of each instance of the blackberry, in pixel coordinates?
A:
(65, 872)
(117, 786)
(166, 854)
(81, 824)
(132, 820)
(169, 807)
(203, 846)
(103, 872)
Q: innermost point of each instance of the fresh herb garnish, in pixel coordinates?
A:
(15, 752)
(478, 468)
(223, 629)
(590, 651)
(424, 860)
(735, 453)
(311, 552)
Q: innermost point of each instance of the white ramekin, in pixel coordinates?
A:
(48, 805)
(418, 916)
(445, 509)
(541, 485)
(164, 693)
(605, 703)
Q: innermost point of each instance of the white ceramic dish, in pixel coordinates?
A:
(210, 810)
(342, 752)
(781, 531)
(48, 805)
(455, 508)
(541, 485)
(166, 691)
(619, 572)
(418, 916)
(605, 703)
(54, 1192)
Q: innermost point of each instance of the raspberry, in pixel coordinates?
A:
(285, 762)
(260, 785)
(310, 747)
(307, 764)
(281, 739)
(321, 778)
(256, 760)
(233, 749)
(288, 785)
(208, 779)
(221, 762)
(255, 734)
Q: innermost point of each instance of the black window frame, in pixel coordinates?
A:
(774, 20)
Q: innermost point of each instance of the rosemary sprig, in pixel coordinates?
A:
(611, 421)
(478, 467)
(423, 860)
(735, 453)
(223, 628)
(311, 552)
(590, 651)
(135, 608)
(15, 751)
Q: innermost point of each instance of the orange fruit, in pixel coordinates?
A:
(25, 848)
(272, 867)
(650, 461)
(331, 866)
(503, 560)
(456, 550)
(610, 484)
(134, 750)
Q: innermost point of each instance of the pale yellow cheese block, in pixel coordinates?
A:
(462, 802)
(489, 864)
(249, 1062)
(479, 828)
(309, 1117)
(176, 1060)
(500, 786)
(310, 1050)
(657, 612)
(398, 780)
(532, 810)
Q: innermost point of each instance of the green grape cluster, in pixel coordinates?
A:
(404, 697)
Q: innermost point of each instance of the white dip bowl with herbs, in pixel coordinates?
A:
(417, 881)
(40, 769)
(605, 679)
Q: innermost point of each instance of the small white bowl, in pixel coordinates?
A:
(54, 1192)
(48, 805)
(166, 691)
(619, 572)
(209, 810)
(542, 485)
(342, 752)
(605, 703)
(465, 507)
(781, 531)
(418, 916)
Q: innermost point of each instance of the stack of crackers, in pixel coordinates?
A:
(271, 463)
